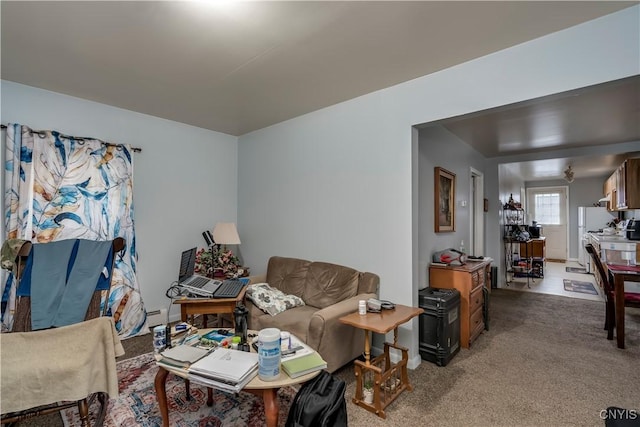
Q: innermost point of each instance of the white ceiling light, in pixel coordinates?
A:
(568, 174)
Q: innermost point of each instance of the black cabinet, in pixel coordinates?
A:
(439, 324)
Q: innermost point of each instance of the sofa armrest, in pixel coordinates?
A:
(329, 318)
(258, 278)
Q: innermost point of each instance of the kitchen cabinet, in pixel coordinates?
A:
(610, 191)
(622, 188)
(628, 185)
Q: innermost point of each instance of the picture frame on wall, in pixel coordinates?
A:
(444, 200)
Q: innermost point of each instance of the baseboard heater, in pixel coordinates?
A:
(157, 317)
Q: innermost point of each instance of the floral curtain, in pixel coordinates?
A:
(59, 187)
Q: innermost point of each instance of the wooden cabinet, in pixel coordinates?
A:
(470, 280)
(610, 191)
(628, 185)
(534, 248)
(622, 188)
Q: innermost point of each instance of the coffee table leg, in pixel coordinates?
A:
(270, 398)
(187, 389)
(161, 394)
(209, 396)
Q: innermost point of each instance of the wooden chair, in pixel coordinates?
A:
(22, 323)
(606, 281)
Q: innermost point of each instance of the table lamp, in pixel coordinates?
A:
(225, 233)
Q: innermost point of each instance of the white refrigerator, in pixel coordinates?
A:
(590, 219)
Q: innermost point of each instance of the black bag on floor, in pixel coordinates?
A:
(319, 403)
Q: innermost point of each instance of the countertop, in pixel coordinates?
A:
(600, 237)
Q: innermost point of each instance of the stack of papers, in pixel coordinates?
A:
(304, 361)
(225, 369)
(182, 356)
(302, 349)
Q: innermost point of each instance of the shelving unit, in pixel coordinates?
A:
(518, 264)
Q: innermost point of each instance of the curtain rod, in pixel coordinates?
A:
(108, 144)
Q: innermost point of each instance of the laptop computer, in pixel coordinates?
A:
(195, 283)
(202, 286)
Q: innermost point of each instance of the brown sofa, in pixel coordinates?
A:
(329, 291)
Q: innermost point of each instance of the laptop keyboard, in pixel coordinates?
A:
(229, 289)
(198, 282)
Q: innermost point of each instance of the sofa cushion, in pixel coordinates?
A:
(271, 300)
(327, 284)
(287, 274)
(295, 320)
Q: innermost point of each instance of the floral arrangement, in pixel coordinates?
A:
(218, 263)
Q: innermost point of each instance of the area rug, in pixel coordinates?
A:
(578, 286)
(137, 404)
(576, 270)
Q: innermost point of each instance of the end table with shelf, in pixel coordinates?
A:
(388, 379)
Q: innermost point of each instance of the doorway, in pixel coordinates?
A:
(476, 217)
(548, 206)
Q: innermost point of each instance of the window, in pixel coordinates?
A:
(547, 208)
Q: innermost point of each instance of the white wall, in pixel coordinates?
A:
(185, 178)
(336, 184)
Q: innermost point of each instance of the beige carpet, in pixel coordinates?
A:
(544, 361)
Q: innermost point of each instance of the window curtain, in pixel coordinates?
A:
(60, 187)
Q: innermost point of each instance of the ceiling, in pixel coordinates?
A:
(603, 114)
(238, 66)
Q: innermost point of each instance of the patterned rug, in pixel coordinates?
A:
(137, 404)
(576, 270)
(578, 286)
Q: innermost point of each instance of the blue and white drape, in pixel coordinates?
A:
(59, 187)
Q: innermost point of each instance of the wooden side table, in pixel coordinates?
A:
(388, 379)
(204, 306)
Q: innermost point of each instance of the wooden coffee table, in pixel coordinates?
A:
(267, 390)
(389, 379)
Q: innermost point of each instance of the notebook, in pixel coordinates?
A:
(300, 366)
(195, 283)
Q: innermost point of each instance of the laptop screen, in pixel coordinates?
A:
(187, 265)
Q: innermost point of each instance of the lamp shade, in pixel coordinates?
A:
(225, 233)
